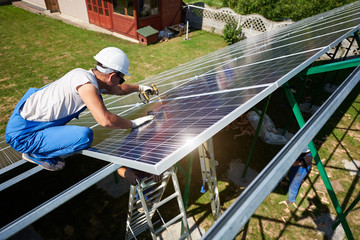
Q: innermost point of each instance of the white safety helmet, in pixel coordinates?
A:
(114, 59)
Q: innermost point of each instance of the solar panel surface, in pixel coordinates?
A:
(201, 97)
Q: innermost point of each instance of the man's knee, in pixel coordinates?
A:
(86, 137)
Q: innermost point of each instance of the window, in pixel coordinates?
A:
(124, 7)
(148, 7)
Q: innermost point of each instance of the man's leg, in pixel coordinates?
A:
(295, 180)
(61, 140)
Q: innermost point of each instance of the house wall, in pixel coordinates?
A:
(39, 3)
(125, 25)
(171, 12)
(154, 21)
(74, 8)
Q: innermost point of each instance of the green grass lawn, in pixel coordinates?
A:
(36, 50)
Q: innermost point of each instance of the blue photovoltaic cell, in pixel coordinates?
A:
(201, 97)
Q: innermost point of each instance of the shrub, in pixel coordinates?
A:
(231, 34)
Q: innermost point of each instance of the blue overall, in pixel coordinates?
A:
(297, 174)
(46, 139)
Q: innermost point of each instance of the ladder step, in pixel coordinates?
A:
(172, 221)
(162, 202)
(141, 228)
(141, 215)
(151, 193)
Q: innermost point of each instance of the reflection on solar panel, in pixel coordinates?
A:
(201, 97)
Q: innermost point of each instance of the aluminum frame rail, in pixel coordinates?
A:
(36, 213)
(235, 217)
(20, 177)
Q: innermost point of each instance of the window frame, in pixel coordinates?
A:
(158, 7)
(125, 9)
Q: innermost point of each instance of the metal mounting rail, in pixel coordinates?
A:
(36, 213)
(238, 214)
(20, 177)
(12, 166)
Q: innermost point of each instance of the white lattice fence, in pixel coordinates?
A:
(203, 17)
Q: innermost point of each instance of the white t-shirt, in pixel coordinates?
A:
(59, 99)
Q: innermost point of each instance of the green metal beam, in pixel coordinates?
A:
(331, 67)
(353, 204)
(319, 164)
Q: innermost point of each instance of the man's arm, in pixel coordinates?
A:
(123, 89)
(89, 95)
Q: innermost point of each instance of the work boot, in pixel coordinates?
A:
(51, 164)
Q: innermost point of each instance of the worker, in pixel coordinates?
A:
(134, 176)
(37, 127)
(300, 169)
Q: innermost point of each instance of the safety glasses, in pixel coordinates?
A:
(121, 77)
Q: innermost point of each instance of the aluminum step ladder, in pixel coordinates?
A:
(145, 199)
(208, 172)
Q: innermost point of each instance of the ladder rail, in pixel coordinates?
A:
(145, 199)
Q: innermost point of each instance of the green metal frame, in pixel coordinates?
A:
(353, 204)
(298, 96)
(331, 67)
(319, 164)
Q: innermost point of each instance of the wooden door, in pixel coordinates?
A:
(52, 5)
(99, 13)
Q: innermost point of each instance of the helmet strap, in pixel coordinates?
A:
(104, 69)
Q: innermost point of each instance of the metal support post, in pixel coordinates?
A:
(352, 205)
(331, 67)
(145, 199)
(298, 97)
(318, 162)
(187, 23)
(208, 172)
(187, 185)
(181, 206)
(357, 37)
(256, 136)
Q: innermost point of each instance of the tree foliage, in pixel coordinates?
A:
(284, 9)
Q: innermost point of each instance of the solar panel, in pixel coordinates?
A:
(201, 97)
(7, 154)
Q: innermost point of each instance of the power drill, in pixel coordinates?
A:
(144, 95)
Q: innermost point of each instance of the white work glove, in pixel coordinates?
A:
(144, 88)
(139, 121)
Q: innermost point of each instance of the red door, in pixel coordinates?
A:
(99, 13)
